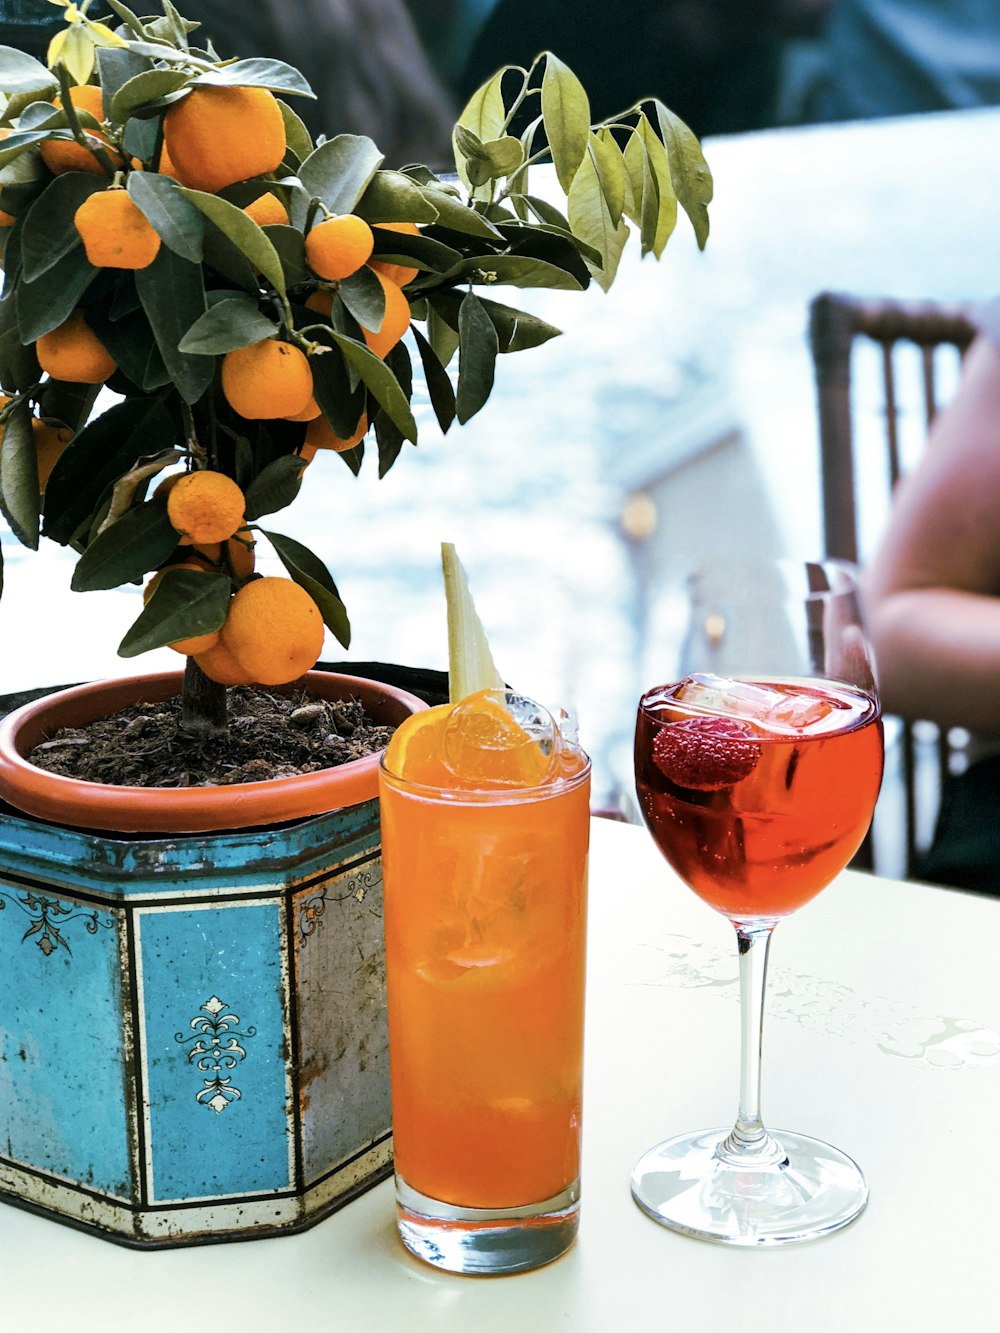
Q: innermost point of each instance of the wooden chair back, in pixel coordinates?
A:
(921, 334)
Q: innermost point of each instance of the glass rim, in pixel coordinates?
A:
(511, 795)
(738, 576)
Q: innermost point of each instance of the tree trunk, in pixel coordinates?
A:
(204, 704)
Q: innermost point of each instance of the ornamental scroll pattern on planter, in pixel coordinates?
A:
(215, 1051)
(43, 912)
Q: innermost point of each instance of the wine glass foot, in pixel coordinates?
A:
(685, 1185)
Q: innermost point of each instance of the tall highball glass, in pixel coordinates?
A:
(757, 772)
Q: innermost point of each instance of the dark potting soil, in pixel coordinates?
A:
(270, 735)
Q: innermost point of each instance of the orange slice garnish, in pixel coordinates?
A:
(416, 751)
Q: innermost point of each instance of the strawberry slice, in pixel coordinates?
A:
(705, 753)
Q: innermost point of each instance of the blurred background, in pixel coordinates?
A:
(855, 146)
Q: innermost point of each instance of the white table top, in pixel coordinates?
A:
(883, 1035)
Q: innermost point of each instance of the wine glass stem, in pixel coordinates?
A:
(749, 1143)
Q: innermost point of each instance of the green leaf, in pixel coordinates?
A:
(235, 322)
(591, 220)
(666, 218)
(505, 155)
(48, 231)
(49, 301)
(175, 219)
(140, 139)
(185, 603)
(177, 27)
(438, 382)
(290, 245)
(243, 232)
(517, 271)
(18, 143)
(226, 259)
(688, 169)
(76, 54)
(477, 356)
(275, 488)
(130, 489)
(116, 68)
(342, 402)
(19, 476)
(470, 145)
(443, 336)
(353, 457)
(130, 19)
(389, 440)
(484, 114)
(517, 330)
(339, 171)
(311, 574)
(148, 87)
(172, 292)
(391, 196)
(554, 245)
(429, 254)
(566, 117)
(96, 457)
(139, 541)
(21, 73)
(457, 216)
(611, 172)
(71, 403)
(18, 364)
(364, 297)
(380, 381)
(297, 135)
(645, 193)
(131, 342)
(257, 72)
(546, 212)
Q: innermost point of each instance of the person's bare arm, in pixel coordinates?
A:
(933, 589)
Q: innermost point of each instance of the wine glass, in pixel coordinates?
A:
(757, 773)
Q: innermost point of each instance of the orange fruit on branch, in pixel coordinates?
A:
(308, 413)
(116, 233)
(400, 274)
(238, 557)
(217, 136)
(62, 155)
(267, 211)
(321, 301)
(395, 321)
(339, 246)
(274, 630)
(267, 380)
(73, 352)
(51, 438)
(206, 506)
(320, 435)
(220, 665)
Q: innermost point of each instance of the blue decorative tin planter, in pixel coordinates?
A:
(192, 1027)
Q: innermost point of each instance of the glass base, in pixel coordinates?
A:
(487, 1241)
(685, 1184)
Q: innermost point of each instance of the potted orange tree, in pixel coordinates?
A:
(197, 300)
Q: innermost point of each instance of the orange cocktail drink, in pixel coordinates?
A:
(484, 876)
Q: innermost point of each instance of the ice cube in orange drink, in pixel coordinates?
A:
(476, 742)
(484, 743)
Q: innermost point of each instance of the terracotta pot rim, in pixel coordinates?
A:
(94, 805)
